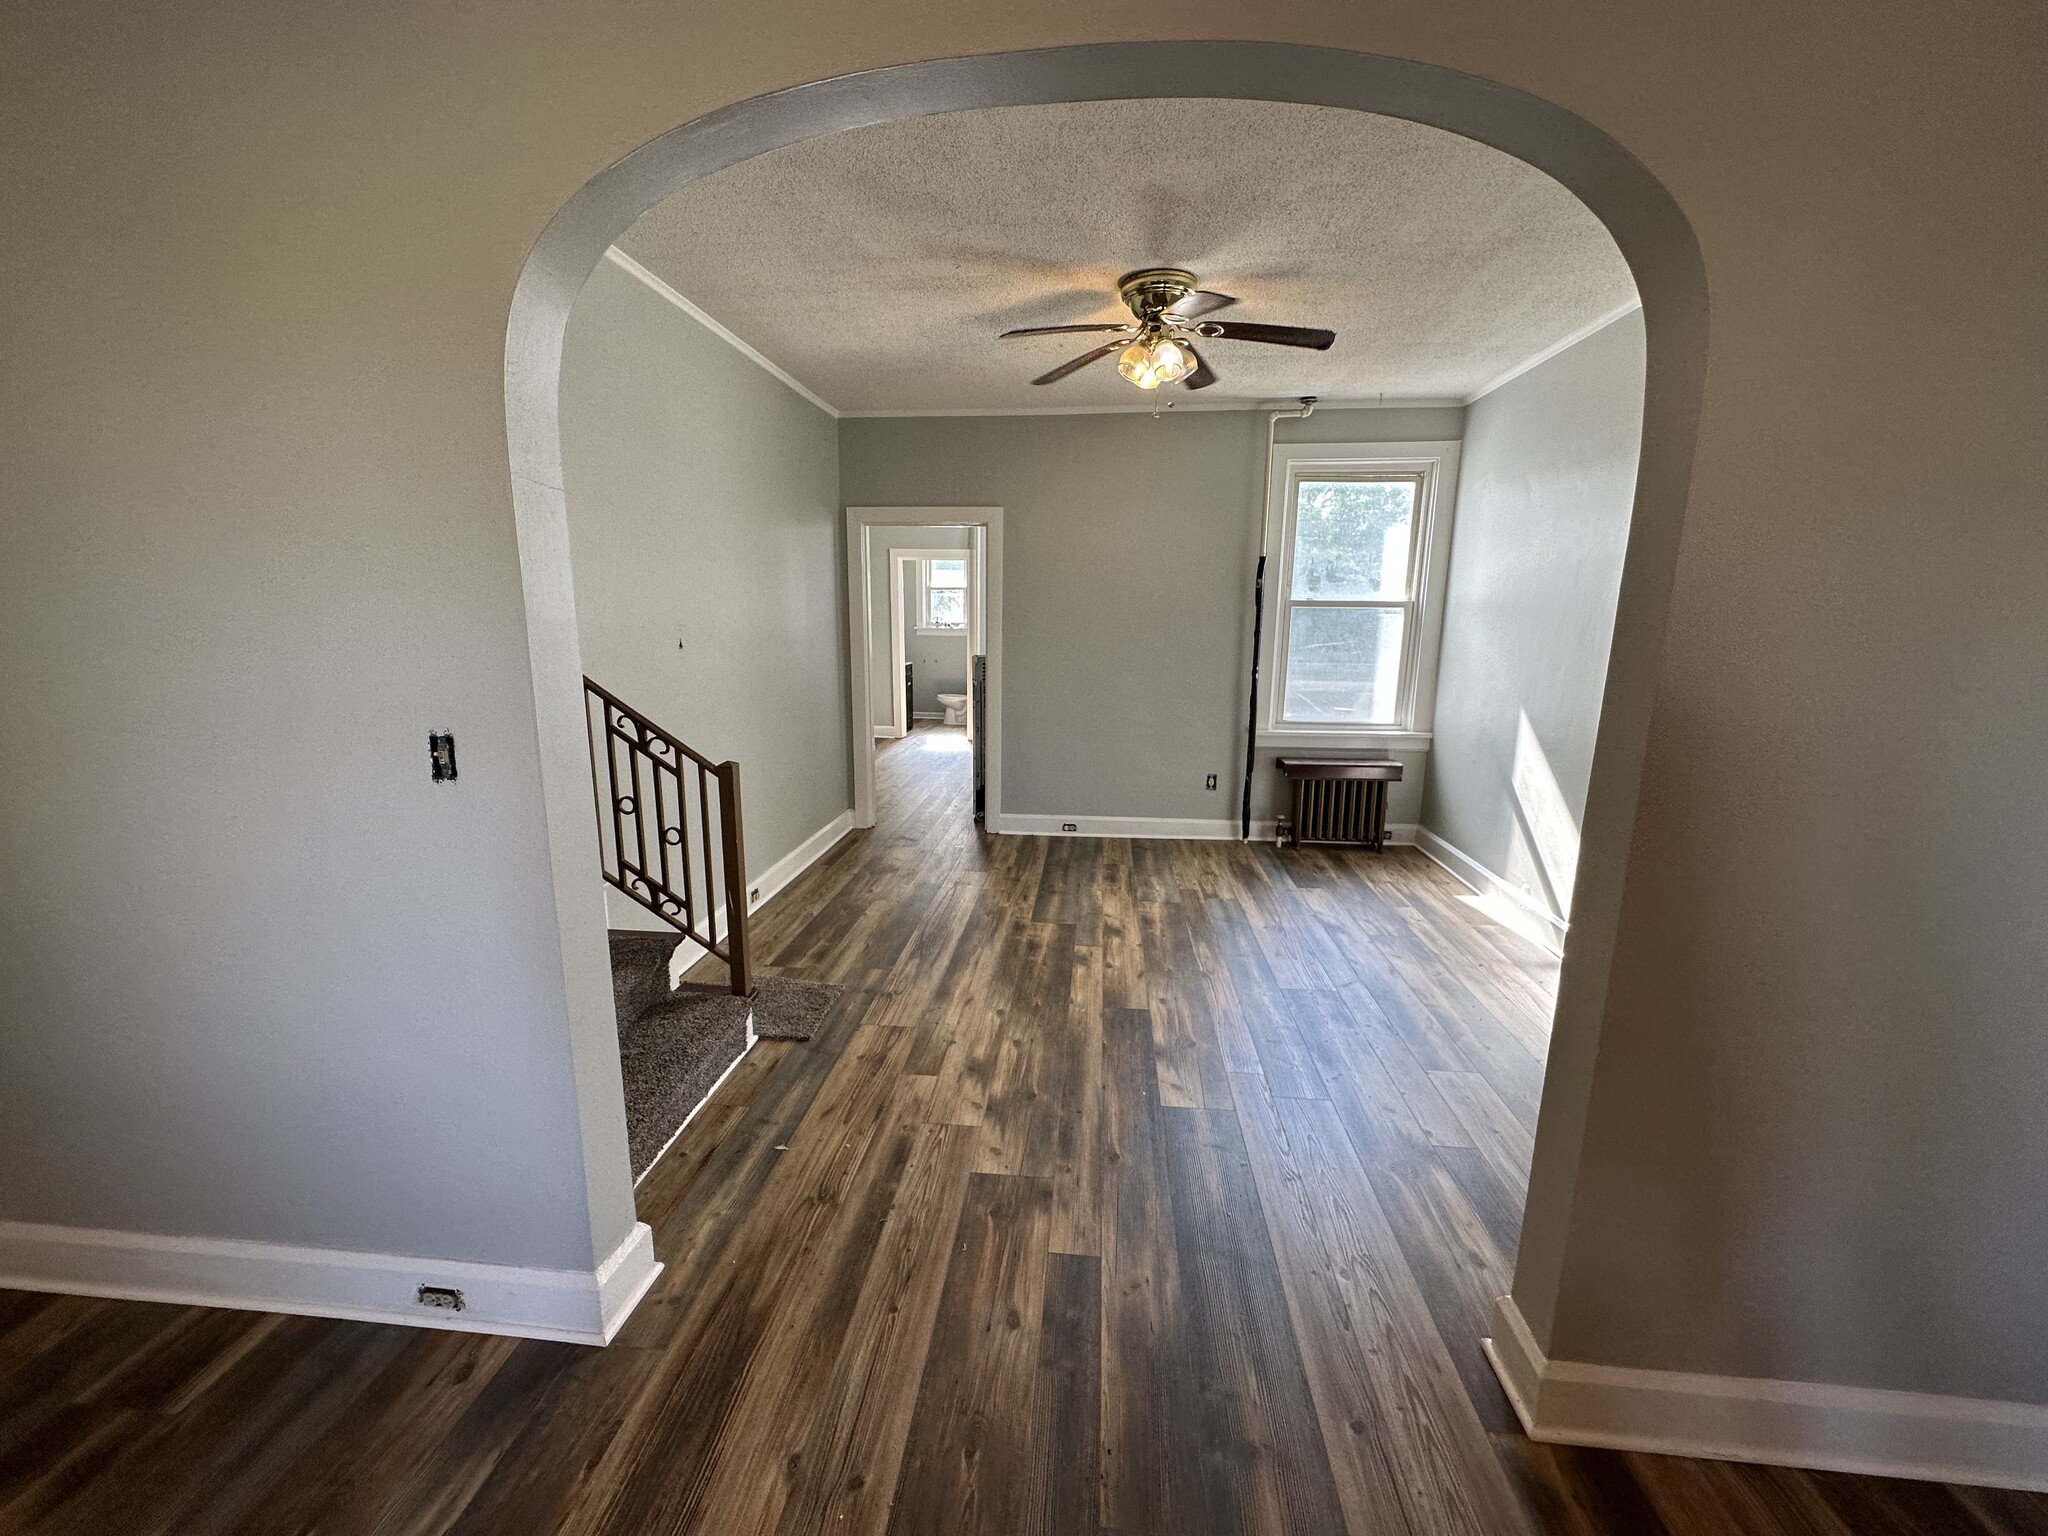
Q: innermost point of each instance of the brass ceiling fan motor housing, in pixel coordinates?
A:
(1149, 290)
(1171, 316)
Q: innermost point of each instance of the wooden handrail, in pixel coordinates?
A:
(642, 789)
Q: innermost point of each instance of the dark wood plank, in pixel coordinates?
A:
(1402, 1433)
(1064, 1495)
(1140, 1279)
(1072, 1116)
(2005, 1512)
(967, 1469)
(1734, 1499)
(373, 1460)
(855, 1449)
(1253, 1455)
(204, 1468)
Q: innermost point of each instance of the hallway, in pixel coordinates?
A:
(1134, 1187)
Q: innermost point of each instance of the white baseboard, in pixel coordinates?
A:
(766, 887)
(1528, 916)
(1201, 828)
(570, 1305)
(1781, 1423)
(777, 876)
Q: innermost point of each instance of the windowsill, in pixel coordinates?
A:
(956, 633)
(1306, 736)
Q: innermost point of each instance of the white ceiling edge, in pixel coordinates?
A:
(1563, 345)
(633, 268)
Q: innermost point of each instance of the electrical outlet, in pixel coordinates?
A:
(1211, 784)
(441, 756)
(445, 1297)
(1068, 826)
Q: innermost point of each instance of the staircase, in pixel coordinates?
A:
(661, 811)
(674, 1046)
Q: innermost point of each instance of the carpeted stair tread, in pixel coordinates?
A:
(788, 1009)
(669, 1058)
(674, 1045)
(639, 970)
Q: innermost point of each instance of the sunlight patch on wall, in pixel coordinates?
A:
(1545, 858)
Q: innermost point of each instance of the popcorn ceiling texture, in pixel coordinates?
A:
(878, 266)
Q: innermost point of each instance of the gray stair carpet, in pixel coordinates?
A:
(674, 1045)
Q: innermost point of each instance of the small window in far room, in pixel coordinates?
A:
(1348, 621)
(942, 594)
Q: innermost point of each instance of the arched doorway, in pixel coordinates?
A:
(1644, 221)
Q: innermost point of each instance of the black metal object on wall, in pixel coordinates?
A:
(977, 685)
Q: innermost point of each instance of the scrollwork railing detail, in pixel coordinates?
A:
(668, 828)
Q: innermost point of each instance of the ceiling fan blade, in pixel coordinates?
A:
(1076, 364)
(1065, 330)
(1202, 377)
(1273, 335)
(1201, 302)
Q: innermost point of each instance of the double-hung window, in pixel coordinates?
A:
(942, 594)
(1359, 569)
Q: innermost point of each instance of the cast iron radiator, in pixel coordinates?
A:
(1338, 801)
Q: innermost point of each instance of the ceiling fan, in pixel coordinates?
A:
(1158, 343)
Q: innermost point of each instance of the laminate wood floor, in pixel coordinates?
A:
(1134, 1187)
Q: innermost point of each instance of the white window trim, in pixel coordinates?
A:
(924, 559)
(1293, 462)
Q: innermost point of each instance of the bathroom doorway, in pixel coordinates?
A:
(932, 636)
(924, 640)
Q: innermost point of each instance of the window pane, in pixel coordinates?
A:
(1343, 665)
(948, 608)
(948, 573)
(1351, 539)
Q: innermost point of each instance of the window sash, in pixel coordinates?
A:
(926, 586)
(1408, 605)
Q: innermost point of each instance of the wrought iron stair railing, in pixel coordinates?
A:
(660, 809)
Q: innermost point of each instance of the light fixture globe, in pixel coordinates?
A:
(1151, 361)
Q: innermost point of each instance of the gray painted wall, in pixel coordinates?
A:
(883, 678)
(1547, 485)
(1128, 547)
(703, 500)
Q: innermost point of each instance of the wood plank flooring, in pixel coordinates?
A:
(1133, 1188)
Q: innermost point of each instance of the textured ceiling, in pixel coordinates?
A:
(877, 266)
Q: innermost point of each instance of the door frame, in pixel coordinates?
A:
(987, 550)
(900, 625)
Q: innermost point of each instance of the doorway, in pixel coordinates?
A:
(923, 640)
(1647, 225)
(901, 565)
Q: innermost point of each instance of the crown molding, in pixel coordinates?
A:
(632, 268)
(1552, 350)
(1176, 408)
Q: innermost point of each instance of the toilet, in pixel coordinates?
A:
(955, 706)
